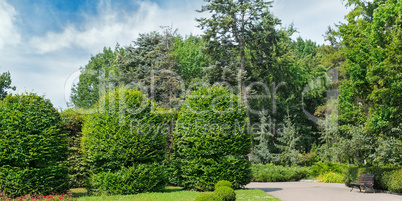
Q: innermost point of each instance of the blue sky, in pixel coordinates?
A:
(43, 43)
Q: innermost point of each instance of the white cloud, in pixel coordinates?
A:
(8, 32)
(111, 25)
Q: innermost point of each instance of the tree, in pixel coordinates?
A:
(95, 76)
(371, 95)
(5, 84)
(228, 31)
(288, 139)
(262, 154)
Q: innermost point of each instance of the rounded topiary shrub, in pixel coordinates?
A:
(225, 193)
(139, 178)
(211, 142)
(223, 183)
(123, 131)
(33, 147)
(208, 197)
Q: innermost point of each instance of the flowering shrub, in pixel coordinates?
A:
(63, 197)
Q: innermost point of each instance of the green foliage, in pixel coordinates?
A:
(149, 65)
(371, 95)
(225, 193)
(33, 146)
(210, 140)
(139, 178)
(331, 177)
(321, 168)
(208, 197)
(393, 180)
(272, 173)
(223, 183)
(77, 168)
(381, 175)
(5, 84)
(190, 56)
(261, 151)
(288, 139)
(94, 77)
(19, 181)
(124, 131)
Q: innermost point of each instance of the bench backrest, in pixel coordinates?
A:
(366, 178)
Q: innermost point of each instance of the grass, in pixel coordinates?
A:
(173, 194)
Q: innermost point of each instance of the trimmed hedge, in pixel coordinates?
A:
(210, 140)
(381, 179)
(125, 131)
(139, 178)
(33, 147)
(272, 173)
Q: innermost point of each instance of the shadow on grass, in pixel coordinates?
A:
(171, 189)
(267, 190)
(78, 192)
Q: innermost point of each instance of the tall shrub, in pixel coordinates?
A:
(211, 141)
(33, 147)
(124, 131)
(77, 169)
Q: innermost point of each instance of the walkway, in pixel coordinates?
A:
(311, 191)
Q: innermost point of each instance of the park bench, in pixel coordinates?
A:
(365, 180)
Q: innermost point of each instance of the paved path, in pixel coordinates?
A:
(310, 191)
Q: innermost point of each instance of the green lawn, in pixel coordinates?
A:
(173, 194)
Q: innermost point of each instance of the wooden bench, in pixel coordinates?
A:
(365, 180)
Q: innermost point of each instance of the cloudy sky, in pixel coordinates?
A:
(43, 43)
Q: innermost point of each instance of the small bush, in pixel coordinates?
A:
(321, 168)
(223, 183)
(132, 180)
(272, 173)
(225, 193)
(208, 197)
(393, 181)
(331, 177)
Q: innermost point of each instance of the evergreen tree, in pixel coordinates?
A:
(261, 151)
(288, 138)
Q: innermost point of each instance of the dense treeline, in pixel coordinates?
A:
(279, 79)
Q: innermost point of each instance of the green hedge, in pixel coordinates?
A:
(32, 144)
(381, 179)
(272, 173)
(23, 181)
(139, 178)
(393, 180)
(125, 131)
(77, 168)
(210, 140)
